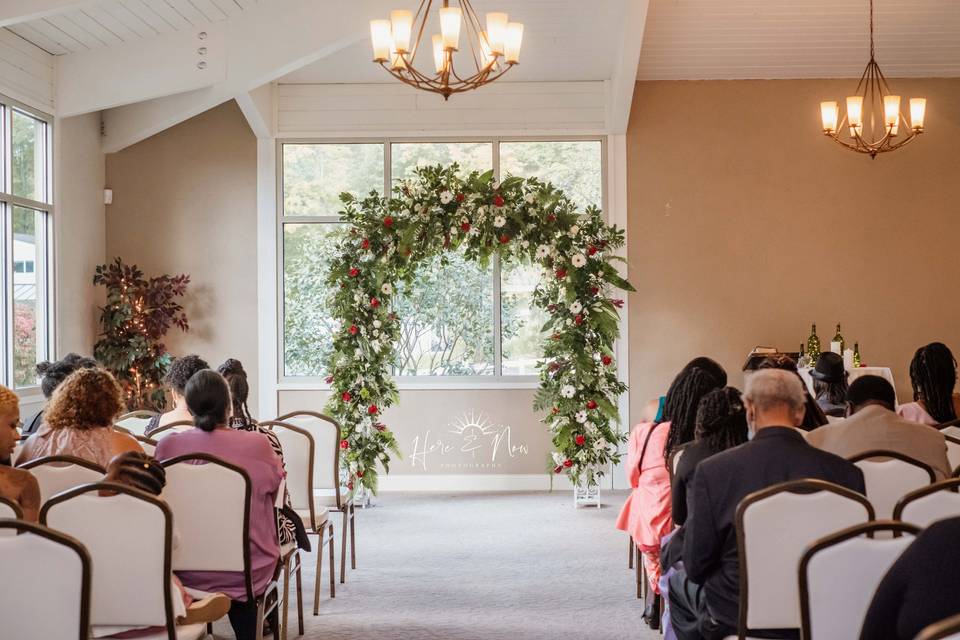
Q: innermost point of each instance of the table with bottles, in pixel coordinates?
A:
(854, 373)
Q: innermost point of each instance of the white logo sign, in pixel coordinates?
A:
(472, 441)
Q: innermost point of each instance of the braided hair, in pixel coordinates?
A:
(236, 377)
(933, 375)
(721, 419)
(138, 470)
(680, 407)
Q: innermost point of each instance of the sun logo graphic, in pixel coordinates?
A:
(473, 440)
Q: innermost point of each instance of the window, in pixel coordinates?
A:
(487, 326)
(25, 212)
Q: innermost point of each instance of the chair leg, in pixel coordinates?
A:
(260, 619)
(333, 572)
(316, 581)
(640, 573)
(343, 545)
(630, 547)
(210, 629)
(286, 597)
(299, 576)
(353, 542)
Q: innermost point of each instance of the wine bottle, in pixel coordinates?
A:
(856, 355)
(813, 344)
(839, 338)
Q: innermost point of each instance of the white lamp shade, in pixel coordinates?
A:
(381, 39)
(450, 27)
(439, 55)
(918, 109)
(855, 114)
(514, 39)
(497, 31)
(891, 113)
(828, 114)
(401, 22)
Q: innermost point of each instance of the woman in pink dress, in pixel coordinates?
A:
(933, 376)
(646, 513)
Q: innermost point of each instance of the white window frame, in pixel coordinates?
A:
(44, 263)
(494, 381)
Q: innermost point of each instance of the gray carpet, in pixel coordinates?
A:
(480, 567)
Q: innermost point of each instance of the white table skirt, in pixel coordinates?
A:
(883, 372)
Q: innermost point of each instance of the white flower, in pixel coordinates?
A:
(481, 210)
(376, 333)
(375, 345)
(581, 416)
(376, 324)
(574, 230)
(387, 289)
(542, 252)
(453, 231)
(495, 184)
(357, 353)
(557, 458)
(525, 244)
(406, 213)
(600, 444)
(445, 197)
(567, 391)
(578, 260)
(357, 297)
(529, 198)
(576, 307)
(499, 221)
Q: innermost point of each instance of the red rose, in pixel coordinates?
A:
(555, 411)
(591, 404)
(498, 200)
(372, 409)
(374, 303)
(465, 226)
(555, 336)
(365, 244)
(568, 463)
(353, 329)
(380, 426)
(350, 485)
(354, 272)
(329, 379)
(591, 250)
(551, 218)
(504, 239)
(344, 444)
(594, 290)
(617, 303)
(606, 360)
(388, 221)
(561, 274)
(359, 474)
(580, 439)
(461, 197)
(578, 320)
(558, 468)
(346, 397)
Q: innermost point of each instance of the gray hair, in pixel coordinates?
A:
(770, 388)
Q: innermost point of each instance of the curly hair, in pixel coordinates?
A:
(87, 399)
(182, 370)
(232, 371)
(53, 373)
(8, 399)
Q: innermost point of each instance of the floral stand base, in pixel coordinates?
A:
(586, 494)
(363, 497)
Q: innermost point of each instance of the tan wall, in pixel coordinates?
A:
(185, 202)
(746, 225)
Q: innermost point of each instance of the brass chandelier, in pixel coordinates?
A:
(873, 118)
(493, 51)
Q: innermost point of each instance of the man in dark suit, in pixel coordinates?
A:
(704, 595)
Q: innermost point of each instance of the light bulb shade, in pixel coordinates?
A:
(487, 57)
(497, 31)
(381, 39)
(918, 109)
(401, 22)
(828, 114)
(891, 113)
(439, 55)
(511, 48)
(855, 114)
(450, 27)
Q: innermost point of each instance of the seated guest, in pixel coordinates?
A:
(175, 381)
(813, 415)
(919, 589)
(646, 513)
(52, 374)
(653, 410)
(874, 425)
(830, 384)
(208, 398)
(704, 594)
(933, 375)
(16, 485)
(79, 421)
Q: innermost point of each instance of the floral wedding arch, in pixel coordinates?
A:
(519, 219)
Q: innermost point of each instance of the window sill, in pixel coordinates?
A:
(409, 384)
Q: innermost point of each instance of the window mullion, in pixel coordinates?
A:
(497, 307)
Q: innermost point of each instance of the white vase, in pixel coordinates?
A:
(586, 491)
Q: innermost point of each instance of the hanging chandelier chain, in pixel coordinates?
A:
(871, 29)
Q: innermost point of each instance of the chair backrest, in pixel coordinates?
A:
(48, 578)
(326, 437)
(135, 422)
(948, 629)
(167, 429)
(840, 573)
(953, 450)
(210, 501)
(11, 511)
(674, 460)
(950, 429)
(149, 445)
(928, 504)
(890, 475)
(59, 473)
(299, 451)
(117, 530)
(774, 526)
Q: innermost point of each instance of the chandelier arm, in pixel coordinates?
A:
(474, 23)
(423, 24)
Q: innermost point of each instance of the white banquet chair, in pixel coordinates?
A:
(210, 501)
(327, 492)
(43, 561)
(953, 450)
(167, 429)
(948, 629)
(890, 475)
(840, 573)
(116, 529)
(774, 526)
(299, 453)
(135, 422)
(59, 473)
(926, 505)
(9, 510)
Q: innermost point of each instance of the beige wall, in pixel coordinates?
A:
(747, 225)
(184, 201)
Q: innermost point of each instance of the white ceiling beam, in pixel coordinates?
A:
(17, 11)
(267, 41)
(624, 77)
(257, 108)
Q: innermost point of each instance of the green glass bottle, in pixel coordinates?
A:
(813, 344)
(839, 338)
(856, 355)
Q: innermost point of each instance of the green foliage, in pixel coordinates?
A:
(523, 220)
(137, 315)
